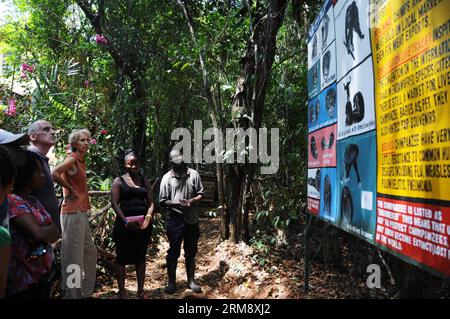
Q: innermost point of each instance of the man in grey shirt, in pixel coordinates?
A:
(180, 190)
(42, 138)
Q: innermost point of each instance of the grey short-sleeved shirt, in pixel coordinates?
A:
(175, 187)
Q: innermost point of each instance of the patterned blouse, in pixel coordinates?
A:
(25, 270)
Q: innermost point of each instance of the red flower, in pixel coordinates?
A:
(11, 111)
(100, 39)
(26, 68)
(104, 132)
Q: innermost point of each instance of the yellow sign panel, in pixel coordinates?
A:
(411, 56)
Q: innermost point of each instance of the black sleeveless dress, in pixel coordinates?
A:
(131, 245)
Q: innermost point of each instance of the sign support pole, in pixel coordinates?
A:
(306, 269)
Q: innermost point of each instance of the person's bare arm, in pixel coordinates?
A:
(57, 172)
(151, 206)
(191, 201)
(195, 199)
(28, 225)
(115, 199)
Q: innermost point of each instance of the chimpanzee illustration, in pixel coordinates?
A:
(314, 47)
(314, 152)
(358, 107)
(315, 74)
(330, 102)
(352, 25)
(315, 182)
(351, 159)
(324, 30)
(314, 112)
(348, 105)
(327, 144)
(353, 113)
(346, 204)
(327, 195)
(326, 65)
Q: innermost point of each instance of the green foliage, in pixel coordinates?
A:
(262, 242)
(149, 74)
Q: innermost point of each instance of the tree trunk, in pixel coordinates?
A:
(248, 103)
(221, 184)
(236, 183)
(224, 219)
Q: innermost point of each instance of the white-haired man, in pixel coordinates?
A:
(42, 138)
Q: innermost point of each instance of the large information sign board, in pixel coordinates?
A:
(379, 125)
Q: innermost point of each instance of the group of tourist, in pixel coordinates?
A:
(33, 222)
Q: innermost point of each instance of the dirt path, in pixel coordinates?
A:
(224, 270)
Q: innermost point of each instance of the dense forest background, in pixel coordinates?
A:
(133, 70)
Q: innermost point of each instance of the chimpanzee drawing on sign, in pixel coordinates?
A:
(313, 50)
(326, 29)
(314, 80)
(352, 34)
(328, 49)
(314, 113)
(314, 183)
(313, 189)
(357, 184)
(322, 147)
(356, 101)
(328, 101)
(322, 110)
(328, 65)
(328, 196)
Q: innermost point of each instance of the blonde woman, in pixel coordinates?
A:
(78, 251)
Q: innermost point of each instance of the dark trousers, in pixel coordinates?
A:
(178, 231)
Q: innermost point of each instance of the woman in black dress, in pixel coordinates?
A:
(132, 196)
